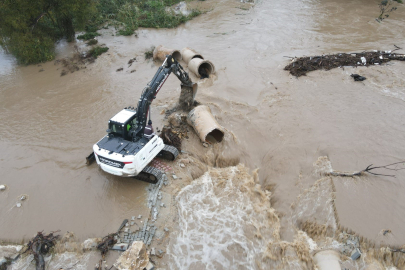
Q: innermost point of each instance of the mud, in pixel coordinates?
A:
(277, 126)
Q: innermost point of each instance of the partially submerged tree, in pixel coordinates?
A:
(386, 7)
(29, 29)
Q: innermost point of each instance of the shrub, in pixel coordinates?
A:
(96, 51)
(88, 35)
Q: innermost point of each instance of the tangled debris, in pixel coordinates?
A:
(300, 66)
(173, 136)
(106, 244)
(40, 246)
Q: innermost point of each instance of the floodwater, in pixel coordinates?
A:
(281, 124)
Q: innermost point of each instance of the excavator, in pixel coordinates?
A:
(127, 149)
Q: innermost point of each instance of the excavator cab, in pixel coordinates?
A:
(122, 123)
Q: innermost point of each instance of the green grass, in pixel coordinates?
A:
(129, 15)
(97, 51)
(88, 35)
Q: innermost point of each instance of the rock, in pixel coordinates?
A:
(175, 119)
(355, 254)
(166, 229)
(174, 176)
(41, 70)
(23, 197)
(90, 243)
(134, 258)
(153, 252)
(182, 165)
(133, 218)
(120, 69)
(132, 223)
(2, 187)
(160, 252)
(18, 205)
(162, 205)
(205, 144)
(121, 246)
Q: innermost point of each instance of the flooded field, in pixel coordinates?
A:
(278, 128)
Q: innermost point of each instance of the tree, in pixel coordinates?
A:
(386, 7)
(29, 29)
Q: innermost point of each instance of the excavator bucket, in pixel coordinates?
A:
(187, 95)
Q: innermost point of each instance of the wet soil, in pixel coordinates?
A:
(278, 126)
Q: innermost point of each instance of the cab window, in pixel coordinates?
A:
(117, 129)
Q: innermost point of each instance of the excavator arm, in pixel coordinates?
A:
(149, 93)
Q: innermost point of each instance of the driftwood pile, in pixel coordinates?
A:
(300, 66)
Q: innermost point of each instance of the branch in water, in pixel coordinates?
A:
(369, 170)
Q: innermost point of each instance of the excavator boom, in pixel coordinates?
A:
(149, 93)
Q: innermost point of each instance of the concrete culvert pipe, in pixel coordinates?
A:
(204, 123)
(201, 68)
(160, 52)
(187, 54)
(327, 260)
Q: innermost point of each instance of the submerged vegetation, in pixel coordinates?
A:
(29, 30)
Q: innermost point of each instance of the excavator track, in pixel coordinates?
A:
(169, 152)
(150, 175)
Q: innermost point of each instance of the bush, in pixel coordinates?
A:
(96, 51)
(88, 35)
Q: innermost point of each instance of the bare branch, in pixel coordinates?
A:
(369, 170)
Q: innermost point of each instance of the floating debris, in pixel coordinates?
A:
(358, 78)
(300, 66)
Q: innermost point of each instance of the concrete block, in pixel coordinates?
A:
(2, 187)
(153, 252)
(121, 246)
(133, 218)
(355, 254)
(3, 261)
(140, 216)
(166, 229)
(150, 266)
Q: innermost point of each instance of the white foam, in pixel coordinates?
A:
(217, 222)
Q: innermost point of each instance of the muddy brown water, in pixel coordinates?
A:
(49, 123)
